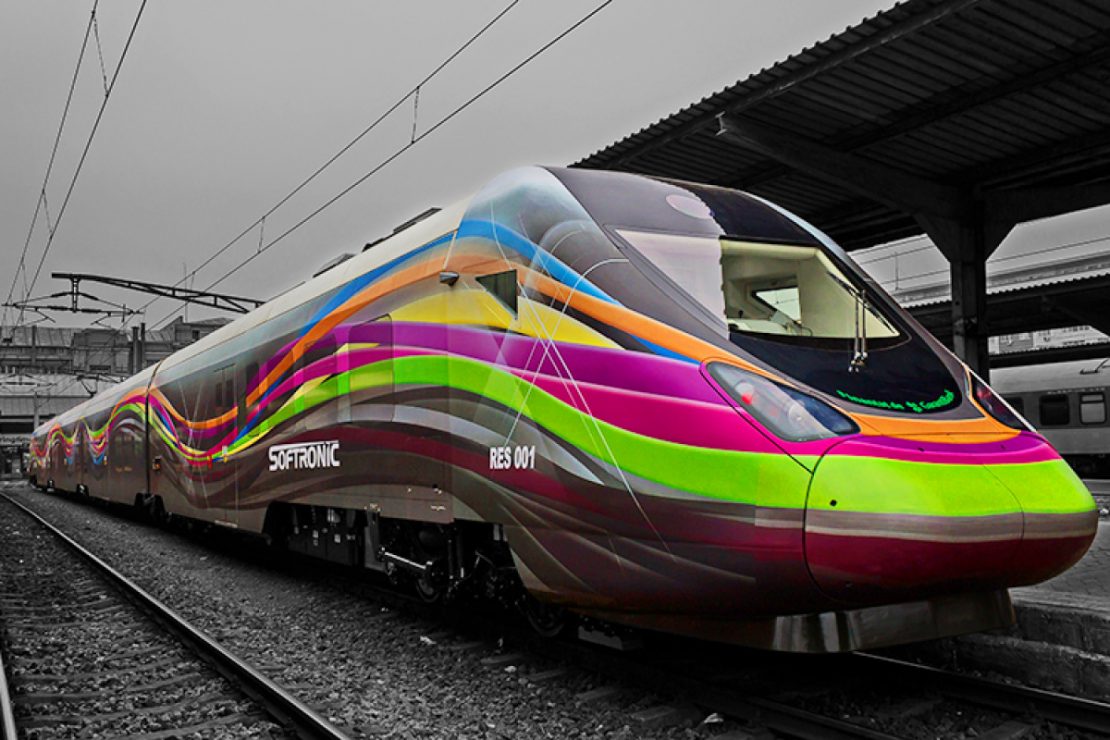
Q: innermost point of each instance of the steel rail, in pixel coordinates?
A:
(7, 716)
(1072, 711)
(281, 705)
(783, 718)
(778, 716)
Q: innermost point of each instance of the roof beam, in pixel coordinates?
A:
(1078, 312)
(1092, 52)
(1028, 204)
(897, 188)
(846, 223)
(1056, 354)
(1084, 148)
(222, 301)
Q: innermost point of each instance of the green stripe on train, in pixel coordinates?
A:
(876, 485)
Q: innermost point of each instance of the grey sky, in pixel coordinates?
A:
(222, 107)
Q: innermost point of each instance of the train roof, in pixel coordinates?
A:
(445, 221)
(608, 197)
(1055, 376)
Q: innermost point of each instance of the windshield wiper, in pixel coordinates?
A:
(859, 341)
(860, 311)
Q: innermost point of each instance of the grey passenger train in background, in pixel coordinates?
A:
(1066, 402)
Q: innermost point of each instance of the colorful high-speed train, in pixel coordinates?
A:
(640, 401)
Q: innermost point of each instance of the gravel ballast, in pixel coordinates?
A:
(84, 662)
(372, 669)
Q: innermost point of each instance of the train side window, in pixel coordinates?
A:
(503, 287)
(1017, 402)
(1054, 410)
(1092, 408)
(249, 376)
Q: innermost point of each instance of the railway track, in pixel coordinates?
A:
(88, 652)
(768, 699)
(796, 696)
(1070, 711)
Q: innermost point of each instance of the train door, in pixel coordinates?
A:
(401, 459)
(80, 454)
(246, 465)
(343, 374)
(494, 304)
(389, 394)
(55, 457)
(142, 445)
(365, 380)
(316, 385)
(364, 364)
(230, 488)
(225, 494)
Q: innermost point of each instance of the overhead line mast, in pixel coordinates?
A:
(221, 301)
(85, 153)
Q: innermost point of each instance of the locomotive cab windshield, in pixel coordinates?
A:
(792, 292)
(799, 308)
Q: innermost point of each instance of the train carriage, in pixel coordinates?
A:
(1067, 403)
(646, 402)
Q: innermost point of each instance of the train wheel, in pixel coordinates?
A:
(432, 584)
(428, 591)
(547, 620)
(158, 513)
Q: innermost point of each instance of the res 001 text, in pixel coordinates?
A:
(512, 457)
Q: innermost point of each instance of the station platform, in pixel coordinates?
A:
(1100, 489)
(1061, 640)
(1085, 585)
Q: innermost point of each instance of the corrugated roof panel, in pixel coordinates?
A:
(896, 68)
(1090, 11)
(880, 96)
(1042, 32)
(920, 150)
(831, 98)
(1044, 123)
(1089, 92)
(809, 117)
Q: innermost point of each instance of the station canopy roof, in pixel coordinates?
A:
(977, 99)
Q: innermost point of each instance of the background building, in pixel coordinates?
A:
(45, 370)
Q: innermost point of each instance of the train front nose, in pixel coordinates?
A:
(1060, 516)
(891, 519)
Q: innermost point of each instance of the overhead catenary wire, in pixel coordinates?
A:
(928, 244)
(411, 93)
(85, 151)
(100, 53)
(49, 168)
(1009, 257)
(400, 151)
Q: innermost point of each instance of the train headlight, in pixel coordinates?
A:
(995, 405)
(786, 412)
